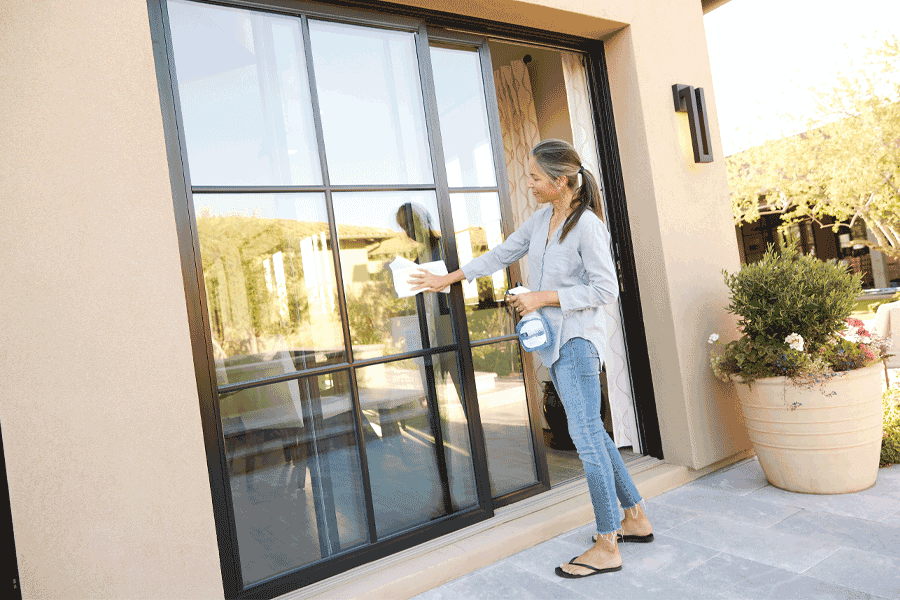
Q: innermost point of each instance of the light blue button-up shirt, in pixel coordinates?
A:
(580, 269)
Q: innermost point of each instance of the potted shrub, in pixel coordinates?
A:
(807, 376)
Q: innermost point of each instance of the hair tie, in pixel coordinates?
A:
(581, 169)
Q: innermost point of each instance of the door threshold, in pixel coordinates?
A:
(512, 529)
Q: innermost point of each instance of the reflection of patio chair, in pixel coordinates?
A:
(263, 419)
(287, 417)
(887, 324)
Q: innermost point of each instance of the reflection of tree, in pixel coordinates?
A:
(272, 281)
(253, 270)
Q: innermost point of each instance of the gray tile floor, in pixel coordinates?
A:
(728, 535)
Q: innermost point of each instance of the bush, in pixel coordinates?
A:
(890, 442)
(792, 293)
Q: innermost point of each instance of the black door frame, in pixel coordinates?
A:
(635, 340)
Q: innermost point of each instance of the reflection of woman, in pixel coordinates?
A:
(572, 276)
(415, 220)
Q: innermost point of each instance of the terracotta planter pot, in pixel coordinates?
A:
(824, 440)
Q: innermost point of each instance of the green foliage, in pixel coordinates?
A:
(502, 359)
(890, 441)
(370, 308)
(787, 293)
(245, 307)
(752, 361)
(844, 355)
(846, 165)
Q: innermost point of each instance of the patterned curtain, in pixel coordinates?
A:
(584, 140)
(518, 121)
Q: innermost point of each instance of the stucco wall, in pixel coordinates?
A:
(682, 226)
(101, 425)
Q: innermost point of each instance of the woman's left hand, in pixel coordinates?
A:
(525, 303)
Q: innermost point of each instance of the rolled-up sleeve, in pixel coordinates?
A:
(500, 257)
(602, 286)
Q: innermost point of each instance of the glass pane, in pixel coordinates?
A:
(476, 218)
(269, 276)
(295, 474)
(464, 127)
(244, 97)
(504, 416)
(420, 464)
(374, 229)
(370, 99)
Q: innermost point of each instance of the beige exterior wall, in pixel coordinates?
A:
(101, 423)
(107, 472)
(682, 227)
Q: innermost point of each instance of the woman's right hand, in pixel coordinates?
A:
(424, 281)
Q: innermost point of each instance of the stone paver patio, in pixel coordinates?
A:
(727, 535)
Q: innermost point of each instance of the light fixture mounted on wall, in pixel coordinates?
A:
(693, 102)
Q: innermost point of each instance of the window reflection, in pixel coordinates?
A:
(500, 383)
(476, 218)
(244, 96)
(417, 443)
(371, 104)
(459, 88)
(375, 228)
(269, 275)
(294, 469)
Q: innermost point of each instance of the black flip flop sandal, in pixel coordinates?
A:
(640, 539)
(595, 570)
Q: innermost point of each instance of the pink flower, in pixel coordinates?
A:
(855, 322)
(868, 352)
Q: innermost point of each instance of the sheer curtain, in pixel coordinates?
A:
(584, 140)
(518, 121)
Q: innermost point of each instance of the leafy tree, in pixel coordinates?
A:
(845, 166)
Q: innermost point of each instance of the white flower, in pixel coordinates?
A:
(713, 338)
(864, 339)
(795, 341)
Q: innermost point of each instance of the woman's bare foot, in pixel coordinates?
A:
(636, 523)
(603, 556)
(635, 527)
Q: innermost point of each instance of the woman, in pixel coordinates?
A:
(572, 276)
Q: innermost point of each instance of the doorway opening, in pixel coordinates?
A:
(543, 93)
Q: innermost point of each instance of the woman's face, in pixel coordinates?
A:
(541, 186)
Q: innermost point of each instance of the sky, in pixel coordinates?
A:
(766, 54)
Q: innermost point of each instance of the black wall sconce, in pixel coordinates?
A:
(693, 102)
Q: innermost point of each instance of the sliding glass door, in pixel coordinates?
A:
(320, 151)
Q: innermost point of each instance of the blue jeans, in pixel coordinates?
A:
(576, 376)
